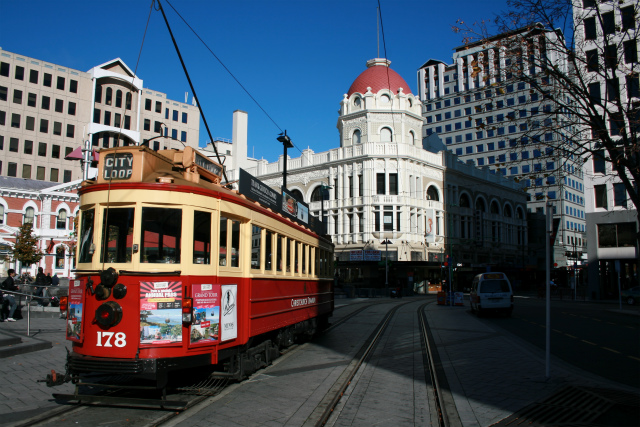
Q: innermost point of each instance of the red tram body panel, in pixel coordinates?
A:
(176, 271)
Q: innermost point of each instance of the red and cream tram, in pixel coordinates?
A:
(176, 271)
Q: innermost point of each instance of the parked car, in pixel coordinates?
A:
(491, 292)
(631, 295)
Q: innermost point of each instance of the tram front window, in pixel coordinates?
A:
(161, 235)
(86, 236)
(117, 235)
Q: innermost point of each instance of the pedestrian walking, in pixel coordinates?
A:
(9, 284)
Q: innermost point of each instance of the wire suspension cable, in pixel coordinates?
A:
(184, 67)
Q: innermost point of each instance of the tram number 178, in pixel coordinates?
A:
(104, 339)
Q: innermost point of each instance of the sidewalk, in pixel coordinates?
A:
(493, 374)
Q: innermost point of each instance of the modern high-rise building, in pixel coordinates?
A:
(48, 110)
(483, 113)
(606, 36)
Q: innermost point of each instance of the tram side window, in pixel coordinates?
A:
(256, 245)
(229, 242)
(268, 252)
(201, 237)
(304, 259)
(86, 236)
(117, 232)
(279, 243)
(161, 235)
(287, 254)
(296, 258)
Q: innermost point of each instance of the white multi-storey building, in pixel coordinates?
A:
(490, 119)
(606, 36)
(47, 111)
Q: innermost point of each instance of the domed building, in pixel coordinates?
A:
(386, 193)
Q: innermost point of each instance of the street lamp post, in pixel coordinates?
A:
(386, 235)
(286, 142)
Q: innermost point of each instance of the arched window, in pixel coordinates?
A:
(385, 135)
(128, 101)
(118, 98)
(356, 138)
(432, 193)
(316, 194)
(507, 211)
(357, 102)
(519, 213)
(60, 252)
(412, 138)
(107, 98)
(464, 201)
(410, 102)
(480, 205)
(494, 208)
(98, 93)
(384, 99)
(29, 213)
(61, 223)
(1, 214)
(297, 194)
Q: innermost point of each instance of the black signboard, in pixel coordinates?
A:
(256, 190)
(118, 166)
(284, 203)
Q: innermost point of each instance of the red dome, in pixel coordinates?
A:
(378, 76)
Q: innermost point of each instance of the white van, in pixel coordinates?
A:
(491, 292)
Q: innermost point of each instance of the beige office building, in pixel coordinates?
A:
(47, 111)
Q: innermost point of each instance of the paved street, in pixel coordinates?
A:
(491, 373)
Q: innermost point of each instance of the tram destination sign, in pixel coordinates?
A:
(118, 166)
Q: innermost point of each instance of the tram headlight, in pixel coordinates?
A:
(109, 314)
(102, 292)
(109, 277)
(119, 291)
(187, 310)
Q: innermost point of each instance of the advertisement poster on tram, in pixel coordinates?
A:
(229, 312)
(205, 328)
(74, 313)
(160, 313)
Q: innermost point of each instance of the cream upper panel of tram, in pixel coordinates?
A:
(188, 204)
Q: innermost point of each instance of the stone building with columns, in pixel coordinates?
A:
(388, 197)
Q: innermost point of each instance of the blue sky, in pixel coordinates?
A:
(296, 58)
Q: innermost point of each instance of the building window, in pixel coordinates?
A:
(60, 83)
(381, 183)
(393, 184)
(67, 176)
(128, 98)
(158, 107)
(44, 125)
(71, 108)
(147, 104)
(57, 128)
(183, 136)
(55, 151)
(30, 123)
(630, 52)
(61, 222)
(600, 192)
(28, 147)
(46, 81)
(54, 175)
(608, 23)
(619, 195)
(611, 56)
(26, 171)
(118, 98)
(13, 145)
(96, 115)
(147, 124)
(628, 18)
(184, 117)
(108, 97)
(40, 170)
(617, 235)
(12, 169)
(592, 60)
(29, 213)
(17, 96)
(73, 86)
(107, 118)
(15, 120)
(42, 149)
(71, 131)
(590, 28)
(33, 76)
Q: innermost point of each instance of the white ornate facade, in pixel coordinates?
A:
(382, 179)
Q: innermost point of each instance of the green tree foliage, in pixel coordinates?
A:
(26, 248)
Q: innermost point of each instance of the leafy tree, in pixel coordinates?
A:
(26, 248)
(580, 58)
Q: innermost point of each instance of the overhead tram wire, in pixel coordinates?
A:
(135, 71)
(228, 71)
(184, 67)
